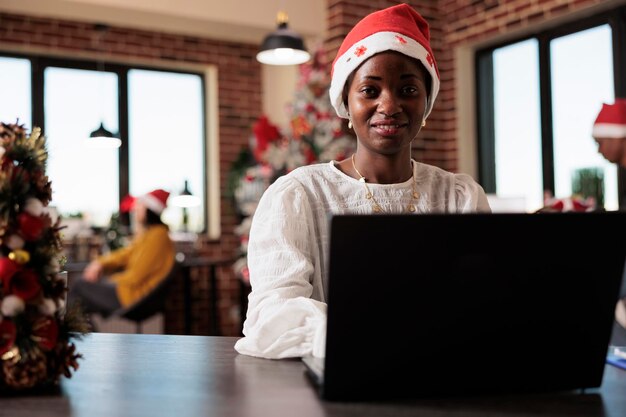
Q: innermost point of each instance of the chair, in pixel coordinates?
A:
(152, 303)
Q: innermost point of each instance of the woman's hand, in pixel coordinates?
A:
(93, 271)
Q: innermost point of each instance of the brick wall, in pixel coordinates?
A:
(453, 23)
(239, 83)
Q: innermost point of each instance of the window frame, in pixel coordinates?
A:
(485, 121)
(39, 63)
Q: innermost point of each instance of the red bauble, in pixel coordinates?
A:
(8, 268)
(31, 227)
(25, 285)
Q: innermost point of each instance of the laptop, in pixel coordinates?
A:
(466, 304)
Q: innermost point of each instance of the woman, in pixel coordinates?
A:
(384, 82)
(140, 266)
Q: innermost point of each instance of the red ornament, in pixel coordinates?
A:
(8, 333)
(25, 285)
(30, 227)
(8, 268)
(45, 333)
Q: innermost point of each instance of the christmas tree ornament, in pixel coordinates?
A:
(25, 284)
(8, 268)
(30, 227)
(12, 305)
(34, 207)
(14, 242)
(19, 256)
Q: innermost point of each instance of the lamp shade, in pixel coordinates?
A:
(102, 138)
(185, 198)
(283, 46)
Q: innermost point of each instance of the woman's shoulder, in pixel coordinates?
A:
(303, 177)
(426, 172)
(158, 230)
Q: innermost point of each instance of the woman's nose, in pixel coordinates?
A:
(388, 104)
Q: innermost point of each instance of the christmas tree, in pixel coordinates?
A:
(315, 134)
(35, 327)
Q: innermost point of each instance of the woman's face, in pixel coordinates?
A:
(611, 149)
(386, 102)
(139, 211)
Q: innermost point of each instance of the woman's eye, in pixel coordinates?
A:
(410, 90)
(368, 91)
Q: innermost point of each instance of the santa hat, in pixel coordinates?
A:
(398, 28)
(611, 121)
(155, 200)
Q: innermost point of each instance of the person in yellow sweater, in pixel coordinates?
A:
(133, 271)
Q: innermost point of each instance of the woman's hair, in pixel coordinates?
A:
(152, 218)
(427, 79)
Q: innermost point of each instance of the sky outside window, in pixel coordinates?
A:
(517, 123)
(16, 92)
(84, 180)
(582, 79)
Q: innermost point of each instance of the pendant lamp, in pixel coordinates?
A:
(185, 200)
(283, 46)
(101, 137)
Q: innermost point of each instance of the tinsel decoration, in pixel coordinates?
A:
(36, 330)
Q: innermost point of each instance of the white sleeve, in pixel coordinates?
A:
(282, 320)
(469, 195)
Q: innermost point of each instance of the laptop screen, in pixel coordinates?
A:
(471, 303)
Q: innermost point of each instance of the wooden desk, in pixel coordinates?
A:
(156, 375)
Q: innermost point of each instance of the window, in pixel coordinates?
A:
(159, 116)
(16, 91)
(518, 139)
(85, 180)
(537, 101)
(165, 119)
(579, 87)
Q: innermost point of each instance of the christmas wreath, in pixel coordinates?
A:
(36, 329)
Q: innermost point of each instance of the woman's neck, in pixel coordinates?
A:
(381, 169)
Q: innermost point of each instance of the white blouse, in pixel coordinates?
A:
(289, 239)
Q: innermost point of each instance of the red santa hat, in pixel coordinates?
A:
(399, 28)
(611, 121)
(155, 200)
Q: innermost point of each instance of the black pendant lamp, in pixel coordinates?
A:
(283, 46)
(102, 138)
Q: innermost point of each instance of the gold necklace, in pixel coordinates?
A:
(368, 194)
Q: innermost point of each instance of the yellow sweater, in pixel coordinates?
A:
(143, 264)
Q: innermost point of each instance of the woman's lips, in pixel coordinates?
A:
(388, 129)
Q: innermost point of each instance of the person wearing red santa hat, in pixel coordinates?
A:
(384, 81)
(135, 269)
(609, 131)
